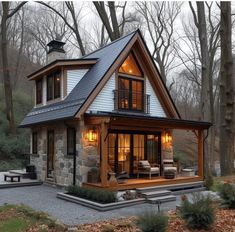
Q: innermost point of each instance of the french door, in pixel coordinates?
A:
(125, 149)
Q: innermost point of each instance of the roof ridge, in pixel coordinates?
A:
(116, 40)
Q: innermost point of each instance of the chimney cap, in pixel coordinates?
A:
(56, 45)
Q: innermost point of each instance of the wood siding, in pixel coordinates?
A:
(104, 100)
(73, 77)
(156, 110)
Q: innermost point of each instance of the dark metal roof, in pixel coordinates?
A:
(71, 104)
(157, 121)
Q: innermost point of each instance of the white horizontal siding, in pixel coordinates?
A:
(104, 100)
(73, 77)
(156, 109)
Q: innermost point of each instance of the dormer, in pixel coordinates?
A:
(56, 80)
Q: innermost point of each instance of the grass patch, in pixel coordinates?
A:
(21, 218)
(14, 225)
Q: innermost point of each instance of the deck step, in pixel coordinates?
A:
(172, 187)
(163, 199)
(153, 194)
(183, 191)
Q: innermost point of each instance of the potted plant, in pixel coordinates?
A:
(93, 175)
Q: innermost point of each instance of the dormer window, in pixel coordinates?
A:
(39, 91)
(53, 86)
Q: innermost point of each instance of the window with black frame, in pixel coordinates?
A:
(34, 143)
(71, 141)
(39, 91)
(53, 86)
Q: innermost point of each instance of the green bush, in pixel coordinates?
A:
(198, 214)
(101, 196)
(227, 194)
(151, 221)
(209, 181)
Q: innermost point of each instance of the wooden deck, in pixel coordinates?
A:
(141, 182)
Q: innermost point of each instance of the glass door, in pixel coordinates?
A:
(138, 151)
(153, 149)
(124, 149)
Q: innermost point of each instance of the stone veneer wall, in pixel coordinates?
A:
(40, 160)
(87, 155)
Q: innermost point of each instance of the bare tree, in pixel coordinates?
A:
(71, 21)
(159, 18)
(6, 15)
(226, 92)
(114, 17)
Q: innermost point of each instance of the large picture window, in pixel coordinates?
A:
(71, 141)
(53, 86)
(39, 91)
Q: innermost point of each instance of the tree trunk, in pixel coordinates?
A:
(226, 92)
(205, 92)
(5, 67)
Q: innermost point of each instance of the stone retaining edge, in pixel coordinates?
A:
(99, 206)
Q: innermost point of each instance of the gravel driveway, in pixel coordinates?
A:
(43, 198)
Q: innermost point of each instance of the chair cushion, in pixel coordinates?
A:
(170, 168)
(144, 164)
(154, 169)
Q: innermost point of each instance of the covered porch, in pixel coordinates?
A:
(125, 140)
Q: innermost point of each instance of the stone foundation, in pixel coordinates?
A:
(87, 155)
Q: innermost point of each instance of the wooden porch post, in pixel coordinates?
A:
(200, 153)
(104, 155)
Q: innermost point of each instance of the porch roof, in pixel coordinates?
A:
(139, 121)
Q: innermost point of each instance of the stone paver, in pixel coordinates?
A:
(43, 198)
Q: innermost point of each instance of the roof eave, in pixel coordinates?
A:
(61, 62)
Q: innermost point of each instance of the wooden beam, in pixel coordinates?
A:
(200, 153)
(104, 156)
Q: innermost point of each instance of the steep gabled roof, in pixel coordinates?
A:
(75, 102)
(71, 104)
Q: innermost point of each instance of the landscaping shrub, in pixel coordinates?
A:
(227, 194)
(101, 196)
(151, 221)
(209, 181)
(198, 214)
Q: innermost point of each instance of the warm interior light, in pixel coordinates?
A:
(58, 79)
(92, 136)
(168, 137)
(130, 71)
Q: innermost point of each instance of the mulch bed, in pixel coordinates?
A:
(225, 222)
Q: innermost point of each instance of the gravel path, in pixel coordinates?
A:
(43, 198)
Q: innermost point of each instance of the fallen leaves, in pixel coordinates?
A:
(225, 222)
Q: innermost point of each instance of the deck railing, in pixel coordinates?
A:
(125, 100)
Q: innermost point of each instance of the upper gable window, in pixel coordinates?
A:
(53, 86)
(130, 66)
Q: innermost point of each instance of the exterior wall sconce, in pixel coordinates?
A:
(167, 138)
(91, 135)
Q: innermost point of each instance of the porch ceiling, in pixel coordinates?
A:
(120, 120)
